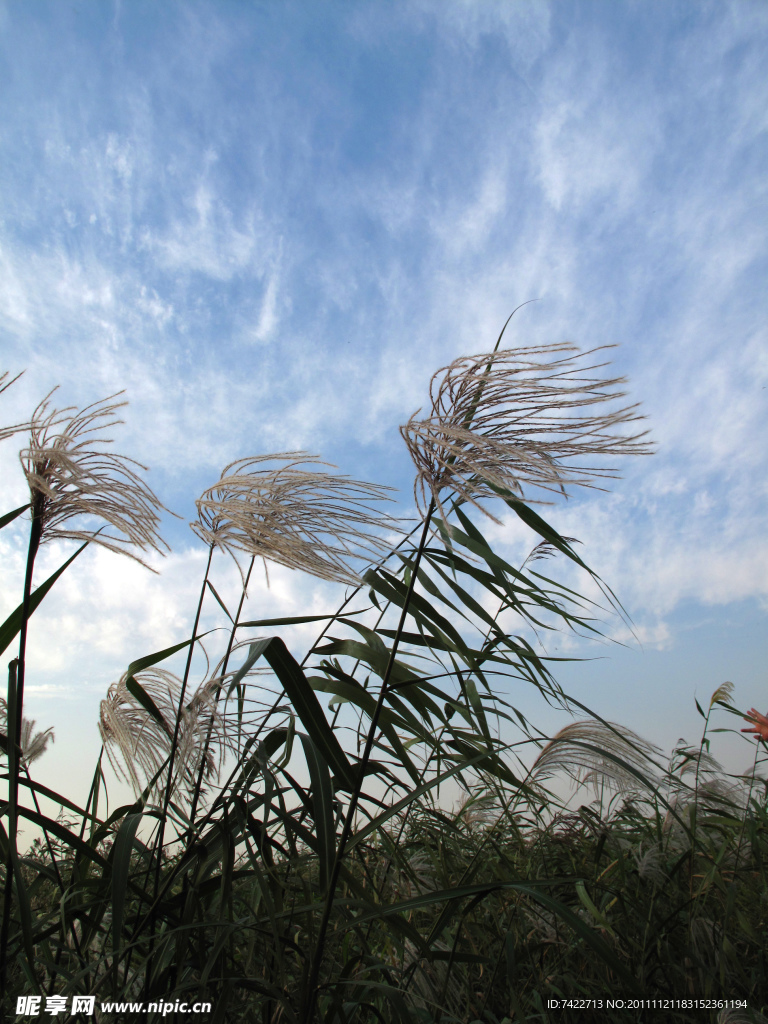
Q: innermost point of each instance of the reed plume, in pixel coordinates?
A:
(272, 507)
(71, 476)
(509, 421)
(650, 863)
(138, 744)
(33, 744)
(592, 752)
(696, 776)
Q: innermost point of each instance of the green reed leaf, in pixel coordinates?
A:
(72, 841)
(121, 864)
(581, 928)
(10, 516)
(62, 801)
(294, 620)
(153, 659)
(322, 807)
(221, 604)
(10, 628)
(349, 689)
(137, 690)
(305, 704)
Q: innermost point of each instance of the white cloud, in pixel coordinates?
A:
(525, 28)
(268, 316)
(14, 306)
(206, 240)
(469, 224)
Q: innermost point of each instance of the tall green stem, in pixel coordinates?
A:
(35, 536)
(317, 958)
(15, 708)
(311, 992)
(13, 760)
(169, 782)
(695, 816)
(180, 713)
(225, 663)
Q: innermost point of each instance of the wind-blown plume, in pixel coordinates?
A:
(70, 475)
(510, 420)
(137, 744)
(302, 518)
(33, 744)
(696, 775)
(591, 752)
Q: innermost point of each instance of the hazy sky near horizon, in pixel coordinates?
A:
(271, 223)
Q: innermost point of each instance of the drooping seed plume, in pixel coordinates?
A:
(510, 421)
(287, 508)
(592, 752)
(137, 744)
(71, 476)
(33, 744)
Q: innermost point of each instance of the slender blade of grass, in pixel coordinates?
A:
(10, 628)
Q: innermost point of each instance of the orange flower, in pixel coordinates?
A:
(759, 724)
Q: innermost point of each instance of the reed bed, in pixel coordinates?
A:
(370, 830)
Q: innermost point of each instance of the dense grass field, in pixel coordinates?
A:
(371, 830)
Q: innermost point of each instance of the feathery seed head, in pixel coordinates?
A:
(272, 507)
(723, 694)
(650, 863)
(692, 766)
(511, 420)
(71, 475)
(33, 744)
(591, 752)
(137, 744)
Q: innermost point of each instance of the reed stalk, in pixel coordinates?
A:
(314, 972)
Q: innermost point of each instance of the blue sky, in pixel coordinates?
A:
(271, 223)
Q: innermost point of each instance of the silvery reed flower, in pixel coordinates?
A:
(592, 752)
(33, 744)
(137, 744)
(512, 420)
(71, 475)
(274, 507)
